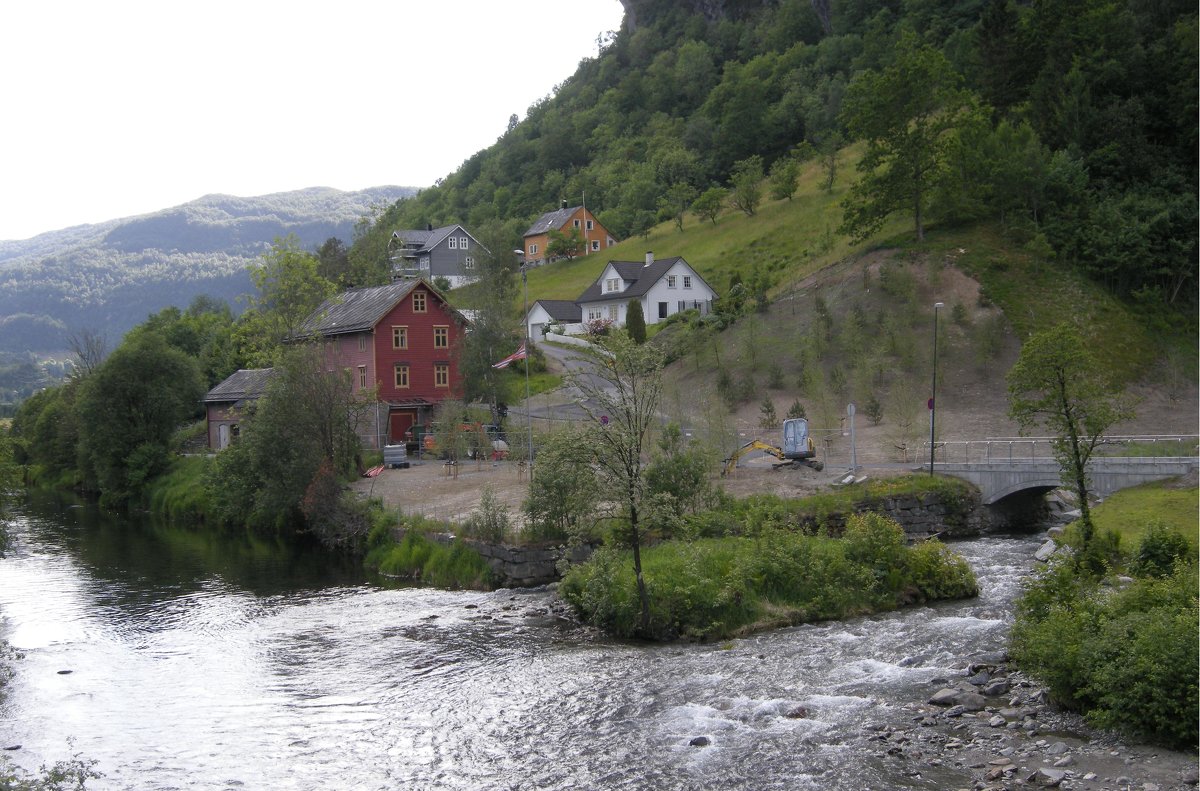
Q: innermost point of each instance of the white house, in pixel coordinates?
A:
(561, 312)
(663, 287)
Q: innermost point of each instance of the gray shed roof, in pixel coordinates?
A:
(638, 278)
(561, 309)
(551, 220)
(247, 383)
(357, 310)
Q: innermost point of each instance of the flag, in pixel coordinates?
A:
(519, 354)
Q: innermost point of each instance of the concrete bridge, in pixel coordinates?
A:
(1008, 466)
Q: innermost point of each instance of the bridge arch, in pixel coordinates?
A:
(1045, 483)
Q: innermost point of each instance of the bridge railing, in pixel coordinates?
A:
(1025, 449)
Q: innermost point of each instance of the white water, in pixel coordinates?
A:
(192, 670)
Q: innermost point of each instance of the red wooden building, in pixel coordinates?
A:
(400, 339)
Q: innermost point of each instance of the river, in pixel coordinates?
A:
(200, 661)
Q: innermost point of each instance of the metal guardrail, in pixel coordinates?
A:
(1028, 449)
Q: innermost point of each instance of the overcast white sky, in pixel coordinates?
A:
(124, 107)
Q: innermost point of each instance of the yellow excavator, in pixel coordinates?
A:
(797, 448)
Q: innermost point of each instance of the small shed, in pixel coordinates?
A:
(226, 404)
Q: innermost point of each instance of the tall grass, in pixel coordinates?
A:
(180, 494)
(418, 558)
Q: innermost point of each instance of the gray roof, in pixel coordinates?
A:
(561, 309)
(551, 220)
(356, 310)
(429, 239)
(638, 278)
(247, 383)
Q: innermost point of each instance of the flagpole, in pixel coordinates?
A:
(525, 322)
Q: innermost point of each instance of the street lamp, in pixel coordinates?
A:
(525, 322)
(933, 391)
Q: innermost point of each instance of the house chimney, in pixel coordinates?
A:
(564, 203)
(649, 257)
(429, 226)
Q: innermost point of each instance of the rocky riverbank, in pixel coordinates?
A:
(999, 725)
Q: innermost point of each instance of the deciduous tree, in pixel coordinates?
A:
(904, 113)
(622, 387)
(1059, 386)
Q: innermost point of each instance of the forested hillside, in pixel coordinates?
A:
(110, 276)
(1071, 125)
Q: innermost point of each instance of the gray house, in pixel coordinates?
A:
(448, 252)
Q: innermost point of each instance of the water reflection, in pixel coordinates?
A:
(204, 661)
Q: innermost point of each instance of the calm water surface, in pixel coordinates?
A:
(206, 662)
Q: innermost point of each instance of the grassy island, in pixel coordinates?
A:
(714, 588)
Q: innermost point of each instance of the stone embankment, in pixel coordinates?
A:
(998, 725)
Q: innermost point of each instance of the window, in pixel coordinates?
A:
(609, 242)
(462, 243)
(468, 263)
(681, 305)
(594, 313)
(399, 337)
(589, 225)
(362, 342)
(662, 310)
(532, 249)
(687, 281)
(402, 377)
(595, 244)
(362, 377)
(612, 312)
(424, 262)
(441, 375)
(612, 284)
(671, 281)
(453, 242)
(576, 223)
(441, 337)
(418, 302)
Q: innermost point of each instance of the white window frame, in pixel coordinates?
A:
(595, 245)
(576, 224)
(453, 242)
(588, 225)
(468, 263)
(610, 242)
(687, 281)
(671, 281)
(533, 249)
(462, 243)
(613, 312)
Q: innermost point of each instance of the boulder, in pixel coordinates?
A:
(1045, 551)
(944, 697)
(700, 741)
(1049, 778)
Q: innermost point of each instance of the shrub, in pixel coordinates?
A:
(1158, 551)
(796, 410)
(489, 522)
(416, 557)
(1126, 659)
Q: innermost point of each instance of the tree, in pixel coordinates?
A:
(493, 334)
(564, 245)
(710, 203)
(784, 173)
(1058, 385)
(746, 180)
(675, 203)
(565, 493)
(89, 347)
(333, 258)
(128, 409)
(768, 418)
(905, 113)
(308, 420)
(290, 288)
(635, 321)
(622, 387)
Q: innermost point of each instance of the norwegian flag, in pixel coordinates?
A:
(519, 354)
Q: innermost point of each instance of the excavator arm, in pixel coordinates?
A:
(752, 445)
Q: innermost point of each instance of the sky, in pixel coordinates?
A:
(119, 108)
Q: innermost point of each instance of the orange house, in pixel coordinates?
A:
(568, 219)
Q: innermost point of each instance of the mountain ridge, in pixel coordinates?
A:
(108, 276)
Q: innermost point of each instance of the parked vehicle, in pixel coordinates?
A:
(797, 448)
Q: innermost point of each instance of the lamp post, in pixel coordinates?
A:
(933, 391)
(525, 322)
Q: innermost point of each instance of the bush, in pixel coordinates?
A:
(490, 521)
(416, 557)
(1158, 551)
(1125, 659)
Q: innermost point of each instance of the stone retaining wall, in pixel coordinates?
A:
(520, 567)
